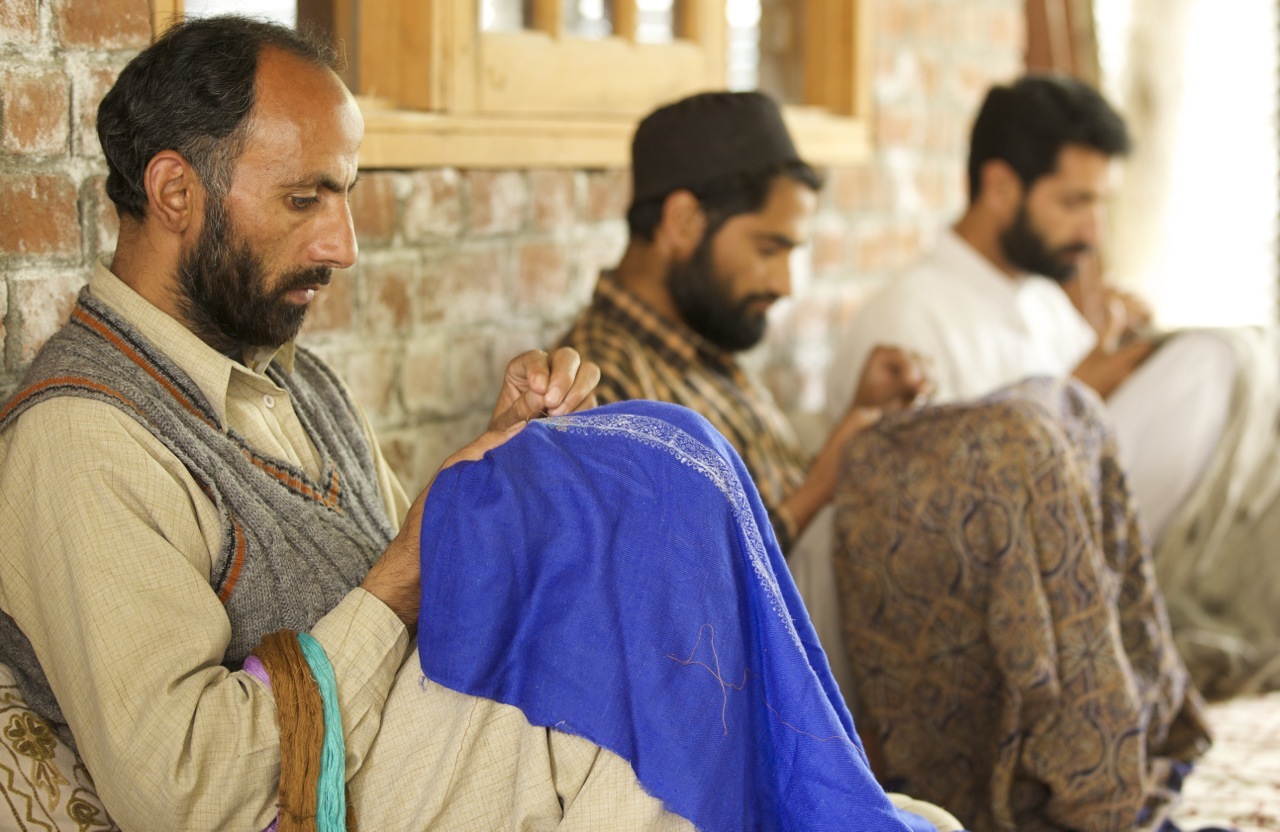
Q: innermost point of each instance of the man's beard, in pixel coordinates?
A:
(1025, 248)
(224, 295)
(702, 298)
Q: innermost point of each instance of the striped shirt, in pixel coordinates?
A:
(643, 355)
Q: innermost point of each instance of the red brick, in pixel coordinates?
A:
(904, 247)
(464, 287)
(434, 207)
(374, 205)
(608, 195)
(973, 78)
(886, 65)
(930, 74)
(941, 187)
(1007, 29)
(35, 112)
(509, 343)
(472, 383)
(598, 254)
(947, 134)
(331, 307)
(498, 200)
(422, 377)
(892, 19)
(542, 281)
(104, 24)
(553, 198)
(387, 294)
(858, 188)
(19, 22)
(873, 250)
(100, 211)
(829, 250)
(38, 215)
(849, 299)
(87, 95)
(43, 305)
(967, 21)
(370, 372)
(925, 23)
(401, 450)
(898, 127)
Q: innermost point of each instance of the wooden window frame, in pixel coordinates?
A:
(437, 92)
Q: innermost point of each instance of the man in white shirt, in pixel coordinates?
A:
(988, 309)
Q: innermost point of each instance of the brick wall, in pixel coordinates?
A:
(459, 270)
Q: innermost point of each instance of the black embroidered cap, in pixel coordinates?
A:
(705, 137)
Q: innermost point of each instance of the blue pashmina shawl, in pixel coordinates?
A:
(613, 575)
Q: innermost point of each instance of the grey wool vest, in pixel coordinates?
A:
(292, 547)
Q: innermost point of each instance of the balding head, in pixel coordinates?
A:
(191, 92)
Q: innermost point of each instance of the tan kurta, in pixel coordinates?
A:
(104, 563)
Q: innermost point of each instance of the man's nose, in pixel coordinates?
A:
(1090, 227)
(780, 278)
(335, 241)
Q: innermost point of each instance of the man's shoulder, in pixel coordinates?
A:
(597, 335)
(79, 431)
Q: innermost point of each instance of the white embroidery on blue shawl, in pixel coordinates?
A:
(657, 433)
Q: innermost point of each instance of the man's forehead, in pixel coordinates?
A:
(785, 216)
(305, 125)
(1081, 161)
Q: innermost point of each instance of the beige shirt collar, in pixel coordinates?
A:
(209, 369)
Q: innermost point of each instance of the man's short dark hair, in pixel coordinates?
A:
(722, 198)
(190, 92)
(1027, 124)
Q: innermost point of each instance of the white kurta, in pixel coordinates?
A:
(983, 330)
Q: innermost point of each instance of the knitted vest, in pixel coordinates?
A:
(292, 547)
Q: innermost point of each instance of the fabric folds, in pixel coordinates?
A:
(1012, 651)
(612, 574)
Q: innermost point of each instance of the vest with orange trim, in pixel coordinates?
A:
(292, 546)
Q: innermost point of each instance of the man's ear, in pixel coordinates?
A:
(174, 192)
(683, 224)
(1001, 189)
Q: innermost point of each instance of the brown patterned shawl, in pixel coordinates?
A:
(1012, 652)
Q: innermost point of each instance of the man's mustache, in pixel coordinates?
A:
(304, 279)
(1075, 248)
(759, 297)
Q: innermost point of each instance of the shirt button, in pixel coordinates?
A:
(269, 400)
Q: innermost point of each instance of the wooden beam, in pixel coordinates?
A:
(398, 139)
(703, 22)
(838, 56)
(548, 16)
(625, 19)
(163, 15)
(397, 59)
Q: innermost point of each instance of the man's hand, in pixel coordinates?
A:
(1104, 370)
(1115, 314)
(396, 579)
(536, 384)
(893, 379)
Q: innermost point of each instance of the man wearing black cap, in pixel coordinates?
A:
(720, 200)
(971, 687)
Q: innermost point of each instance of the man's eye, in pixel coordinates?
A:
(301, 202)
